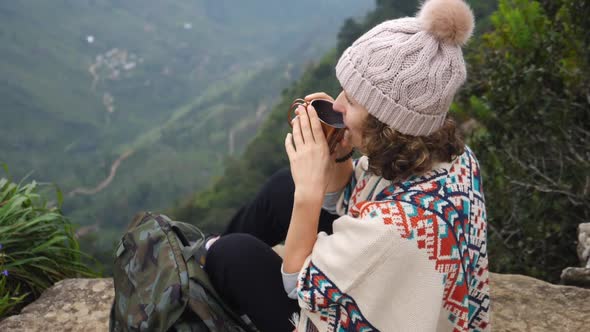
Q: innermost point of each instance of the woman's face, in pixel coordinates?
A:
(354, 115)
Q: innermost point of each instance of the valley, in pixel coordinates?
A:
(133, 105)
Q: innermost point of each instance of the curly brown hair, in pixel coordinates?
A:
(397, 156)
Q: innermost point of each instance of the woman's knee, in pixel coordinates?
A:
(234, 249)
(282, 175)
(281, 182)
(235, 259)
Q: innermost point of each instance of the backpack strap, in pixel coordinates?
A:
(195, 272)
(188, 251)
(176, 245)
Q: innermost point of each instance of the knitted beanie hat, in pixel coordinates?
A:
(405, 72)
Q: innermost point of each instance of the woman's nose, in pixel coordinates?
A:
(338, 106)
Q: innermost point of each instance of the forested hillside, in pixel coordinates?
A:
(130, 105)
(529, 93)
(525, 111)
(265, 154)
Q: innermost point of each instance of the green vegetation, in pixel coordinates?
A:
(181, 83)
(265, 154)
(37, 246)
(528, 90)
(525, 112)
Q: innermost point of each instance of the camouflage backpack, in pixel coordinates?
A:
(159, 285)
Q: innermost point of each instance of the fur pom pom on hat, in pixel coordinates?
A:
(406, 71)
(450, 20)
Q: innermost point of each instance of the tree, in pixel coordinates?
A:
(529, 91)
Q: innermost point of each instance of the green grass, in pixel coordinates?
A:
(38, 246)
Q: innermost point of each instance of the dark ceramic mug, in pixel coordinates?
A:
(332, 123)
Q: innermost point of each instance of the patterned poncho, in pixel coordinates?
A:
(404, 256)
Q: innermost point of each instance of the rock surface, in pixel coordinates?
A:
(519, 303)
(70, 305)
(576, 276)
(580, 276)
(584, 244)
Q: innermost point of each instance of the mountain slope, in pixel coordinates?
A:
(131, 105)
(265, 154)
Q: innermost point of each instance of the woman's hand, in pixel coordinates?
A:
(344, 145)
(310, 162)
(340, 172)
(309, 155)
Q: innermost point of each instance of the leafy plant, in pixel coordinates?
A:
(528, 90)
(38, 246)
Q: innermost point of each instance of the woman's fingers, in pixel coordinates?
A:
(297, 135)
(318, 95)
(307, 128)
(316, 126)
(305, 125)
(289, 146)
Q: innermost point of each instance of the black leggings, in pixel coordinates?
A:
(242, 265)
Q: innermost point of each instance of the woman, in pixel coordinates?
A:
(402, 241)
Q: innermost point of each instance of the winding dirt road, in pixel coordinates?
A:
(105, 183)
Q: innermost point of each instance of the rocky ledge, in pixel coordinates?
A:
(70, 305)
(580, 276)
(519, 303)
